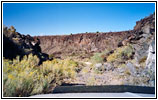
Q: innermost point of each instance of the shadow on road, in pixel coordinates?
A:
(81, 88)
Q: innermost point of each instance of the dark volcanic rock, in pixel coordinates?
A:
(81, 43)
(143, 42)
(16, 44)
(144, 34)
(10, 49)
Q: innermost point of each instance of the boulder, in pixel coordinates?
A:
(108, 67)
(131, 68)
(98, 66)
(150, 62)
(15, 44)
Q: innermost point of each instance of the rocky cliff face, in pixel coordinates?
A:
(15, 44)
(143, 41)
(144, 34)
(85, 43)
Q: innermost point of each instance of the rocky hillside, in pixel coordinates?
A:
(118, 58)
(16, 44)
(132, 63)
(84, 43)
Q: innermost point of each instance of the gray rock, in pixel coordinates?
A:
(152, 83)
(151, 55)
(146, 29)
(121, 70)
(140, 50)
(104, 67)
(131, 67)
(108, 67)
(150, 62)
(149, 70)
(98, 66)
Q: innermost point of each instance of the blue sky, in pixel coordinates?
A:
(66, 18)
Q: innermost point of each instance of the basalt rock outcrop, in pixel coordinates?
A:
(16, 44)
(143, 35)
(143, 41)
(84, 43)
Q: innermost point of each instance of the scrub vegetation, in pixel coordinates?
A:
(25, 77)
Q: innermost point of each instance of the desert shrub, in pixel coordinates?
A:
(85, 70)
(99, 57)
(18, 76)
(121, 66)
(65, 68)
(143, 59)
(51, 56)
(120, 54)
(127, 72)
(53, 72)
(24, 77)
(97, 31)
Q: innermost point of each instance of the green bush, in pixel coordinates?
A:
(97, 31)
(51, 56)
(18, 76)
(143, 59)
(99, 57)
(24, 77)
(96, 58)
(121, 54)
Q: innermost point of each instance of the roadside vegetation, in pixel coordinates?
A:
(25, 77)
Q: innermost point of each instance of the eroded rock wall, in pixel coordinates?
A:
(81, 43)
